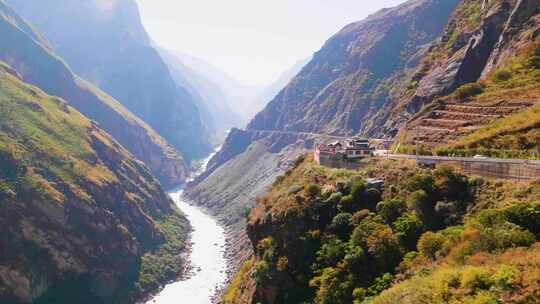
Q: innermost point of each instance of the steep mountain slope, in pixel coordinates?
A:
(30, 55)
(82, 220)
(214, 104)
(356, 72)
(105, 43)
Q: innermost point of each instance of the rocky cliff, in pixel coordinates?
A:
(82, 220)
(105, 43)
(30, 54)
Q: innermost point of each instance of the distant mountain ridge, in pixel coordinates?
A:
(214, 103)
(105, 43)
(239, 97)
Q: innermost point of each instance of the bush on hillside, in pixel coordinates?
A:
(502, 75)
(469, 90)
(430, 244)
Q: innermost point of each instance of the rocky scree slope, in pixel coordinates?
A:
(486, 66)
(356, 72)
(82, 220)
(105, 43)
(29, 53)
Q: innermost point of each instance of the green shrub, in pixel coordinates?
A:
(502, 75)
(483, 297)
(505, 276)
(408, 229)
(391, 210)
(355, 257)
(332, 251)
(358, 190)
(430, 244)
(534, 62)
(261, 272)
(469, 90)
(476, 278)
(347, 203)
(380, 284)
(312, 190)
(341, 224)
(384, 247)
(294, 189)
(526, 215)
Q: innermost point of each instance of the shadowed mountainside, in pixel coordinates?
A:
(28, 52)
(105, 43)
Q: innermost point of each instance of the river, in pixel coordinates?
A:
(207, 258)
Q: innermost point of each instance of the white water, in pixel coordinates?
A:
(207, 259)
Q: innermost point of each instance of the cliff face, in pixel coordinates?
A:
(79, 213)
(31, 56)
(105, 43)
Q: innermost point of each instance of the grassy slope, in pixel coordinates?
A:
(46, 146)
(518, 79)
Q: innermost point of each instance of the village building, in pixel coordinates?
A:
(343, 154)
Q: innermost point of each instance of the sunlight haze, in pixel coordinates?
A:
(253, 41)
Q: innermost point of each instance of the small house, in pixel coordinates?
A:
(356, 148)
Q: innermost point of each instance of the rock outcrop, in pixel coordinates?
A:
(29, 53)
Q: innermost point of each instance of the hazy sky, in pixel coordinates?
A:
(254, 41)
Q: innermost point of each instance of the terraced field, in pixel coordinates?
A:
(451, 120)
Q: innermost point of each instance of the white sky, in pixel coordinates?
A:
(254, 41)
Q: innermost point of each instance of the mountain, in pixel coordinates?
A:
(82, 220)
(30, 54)
(357, 71)
(270, 92)
(237, 95)
(213, 100)
(104, 42)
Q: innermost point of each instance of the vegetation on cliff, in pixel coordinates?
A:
(83, 220)
(329, 236)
